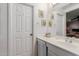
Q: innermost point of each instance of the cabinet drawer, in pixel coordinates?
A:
(41, 43)
(41, 48)
(58, 51)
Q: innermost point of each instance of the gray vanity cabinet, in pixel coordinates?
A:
(47, 49)
(41, 48)
(56, 51)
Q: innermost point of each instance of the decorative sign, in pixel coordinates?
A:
(41, 13)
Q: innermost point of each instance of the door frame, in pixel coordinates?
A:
(10, 50)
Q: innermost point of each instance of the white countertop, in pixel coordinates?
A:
(60, 42)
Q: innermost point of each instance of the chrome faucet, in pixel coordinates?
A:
(68, 40)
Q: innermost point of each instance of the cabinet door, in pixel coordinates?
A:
(41, 48)
(50, 53)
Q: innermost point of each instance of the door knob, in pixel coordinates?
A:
(31, 34)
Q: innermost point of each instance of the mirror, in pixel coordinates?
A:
(72, 23)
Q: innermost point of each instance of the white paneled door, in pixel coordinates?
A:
(21, 30)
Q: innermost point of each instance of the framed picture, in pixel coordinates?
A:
(41, 13)
(50, 23)
(43, 22)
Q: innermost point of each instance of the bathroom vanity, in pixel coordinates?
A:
(56, 46)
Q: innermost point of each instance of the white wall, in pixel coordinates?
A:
(37, 20)
(38, 29)
(3, 29)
